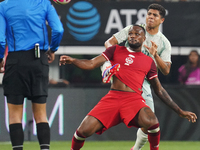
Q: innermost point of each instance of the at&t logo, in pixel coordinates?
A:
(83, 21)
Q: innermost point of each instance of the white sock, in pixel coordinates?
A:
(142, 138)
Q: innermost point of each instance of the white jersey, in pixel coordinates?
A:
(163, 50)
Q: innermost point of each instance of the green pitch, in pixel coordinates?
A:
(108, 145)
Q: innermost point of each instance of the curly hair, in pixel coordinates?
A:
(141, 26)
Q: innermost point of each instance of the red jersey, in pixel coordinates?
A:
(134, 66)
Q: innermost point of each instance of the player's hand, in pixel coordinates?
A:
(152, 49)
(65, 60)
(190, 116)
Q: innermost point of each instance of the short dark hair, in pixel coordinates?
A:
(158, 7)
(141, 26)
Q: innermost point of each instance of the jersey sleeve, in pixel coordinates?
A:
(122, 35)
(108, 53)
(166, 52)
(2, 33)
(56, 26)
(152, 72)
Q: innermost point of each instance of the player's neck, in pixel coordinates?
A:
(152, 31)
(134, 49)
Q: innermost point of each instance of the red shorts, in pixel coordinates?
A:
(116, 107)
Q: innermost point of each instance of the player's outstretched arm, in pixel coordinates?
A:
(164, 96)
(85, 64)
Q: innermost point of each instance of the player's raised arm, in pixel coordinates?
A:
(163, 66)
(110, 42)
(118, 37)
(83, 63)
(165, 97)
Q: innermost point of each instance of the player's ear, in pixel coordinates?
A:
(162, 20)
(144, 38)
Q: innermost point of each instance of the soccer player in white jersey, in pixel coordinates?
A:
(162, 57)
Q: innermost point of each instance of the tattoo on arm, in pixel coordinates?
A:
(163, 95)
(168, 100)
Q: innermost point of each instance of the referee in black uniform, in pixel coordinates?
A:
(23, 26)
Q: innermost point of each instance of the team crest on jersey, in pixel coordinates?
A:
(129, 60)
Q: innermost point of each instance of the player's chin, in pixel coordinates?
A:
(150, 24)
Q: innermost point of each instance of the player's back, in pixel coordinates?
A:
(26, 23)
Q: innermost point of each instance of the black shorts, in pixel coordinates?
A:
(19, 99)
(26, 75)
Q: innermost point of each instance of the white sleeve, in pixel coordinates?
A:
(165, 54)
(122, 35)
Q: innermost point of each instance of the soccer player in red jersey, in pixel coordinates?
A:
(124, 102)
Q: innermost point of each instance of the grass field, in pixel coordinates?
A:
(108, 145)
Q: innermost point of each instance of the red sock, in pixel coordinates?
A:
(77, 141)
(154, 137)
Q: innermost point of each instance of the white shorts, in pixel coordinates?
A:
(147, 95)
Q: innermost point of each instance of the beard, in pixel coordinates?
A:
(135, 46)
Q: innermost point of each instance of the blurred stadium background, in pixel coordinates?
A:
(69, 103)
